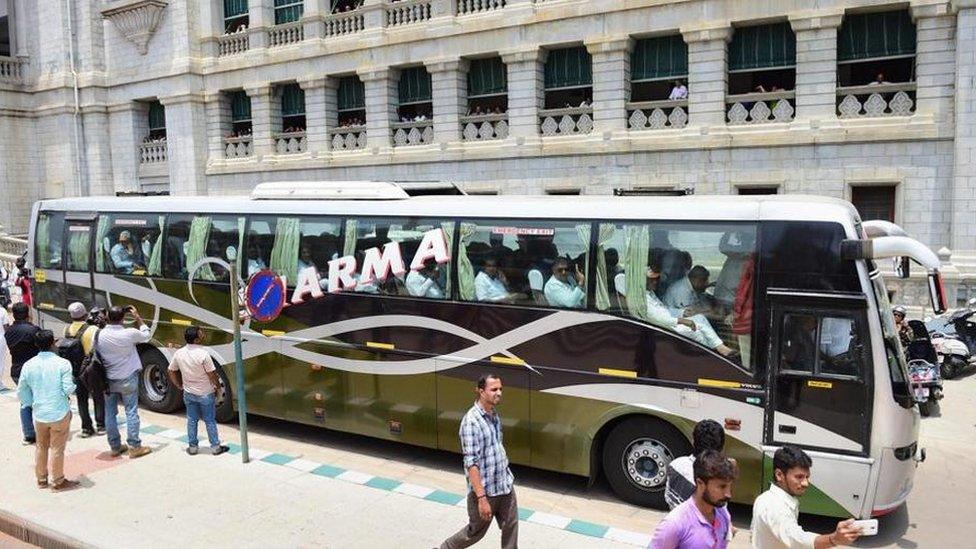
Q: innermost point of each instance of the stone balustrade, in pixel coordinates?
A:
(290, 142)
(152, 152)
(238, 147)
(468, 7)
(412, 133)
(760, 108)
(408, 12)
(348, 138)
(344, 23)
(566, 121)
(876, 100)
(288, 33)
(11, 70)
(657, 115)
(233, 44)
(484, 127)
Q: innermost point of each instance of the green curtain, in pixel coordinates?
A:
(762, 47)
(606, 232)
(487, 76)
(292, 100)
(155, 267)
(351, 94)
(349, 246)
(43, 240)
(583, 231)
(288, 11)
(100, 234)
(465, 268)
(660, 57)
(241, 253)
(635, 267)
(414, 85)
(78, 245)
(197, 248)
(157, 116)
(234, 8)
(240, 106)
(448, 228)
(284, 253)
(873, 35)
(569, 67)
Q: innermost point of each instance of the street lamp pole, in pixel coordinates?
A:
(235, 313)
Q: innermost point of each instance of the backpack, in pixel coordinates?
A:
(71, 349)
(93, 373)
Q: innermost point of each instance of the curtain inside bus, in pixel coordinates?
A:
(284, 253)
(197, 248)
(465, 267)
(155, 267)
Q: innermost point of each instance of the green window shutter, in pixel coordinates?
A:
(569, 68)
(292, 100)
(288, 11)
(157, 116)
(240, 107)
(660, 57)
(487, 76)
(414, 85)
(762, 47)
(234, 8)
(873, 35)
(351, 94)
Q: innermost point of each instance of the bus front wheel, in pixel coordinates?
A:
(636, 455)
(156, 393)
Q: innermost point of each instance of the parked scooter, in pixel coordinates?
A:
(923, 368)
(953, 354)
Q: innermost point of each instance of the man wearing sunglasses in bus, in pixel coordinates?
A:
(560, 290)
(695, 327)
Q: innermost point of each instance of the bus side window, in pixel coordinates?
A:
(79, 245)
(192, 239)
(258, 243)
(817, 345)
(433, 281)
(129, 244)
(47, 249)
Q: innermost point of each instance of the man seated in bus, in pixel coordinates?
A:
(687, 296)
(124, 255)
(424, 283)
(800, 346)
(561, 290)
(695, 327)
(490, 284)
(305, 261)
(255, 262)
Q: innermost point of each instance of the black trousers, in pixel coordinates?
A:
(98, 399)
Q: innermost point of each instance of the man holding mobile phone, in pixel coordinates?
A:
(117, 346)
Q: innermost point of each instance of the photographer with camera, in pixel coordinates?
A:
(117, 348)
(23, 282)
(76, 344)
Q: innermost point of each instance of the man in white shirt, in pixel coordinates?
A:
(423, 283)
(695, 327)
(678, 91)
(561, 291)
(116, 345)
(775, 512)
(254, 261)
(490, 284)
(687, 295)
(192, 371)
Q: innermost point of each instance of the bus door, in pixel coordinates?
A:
(820, 396)
(79, 273)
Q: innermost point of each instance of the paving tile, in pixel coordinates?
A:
(387, 484)
(441, 496)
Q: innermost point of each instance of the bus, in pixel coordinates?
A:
(615, 323)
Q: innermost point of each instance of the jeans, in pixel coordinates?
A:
(98, 399)
(126, 390)
(26, 418)
(197, 406)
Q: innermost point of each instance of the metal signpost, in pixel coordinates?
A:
(235, 313)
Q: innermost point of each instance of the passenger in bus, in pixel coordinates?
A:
(361, 287)
(687, 296)
(254, 261)
(737, 247)
(145, 245)
(800, 347)
(563, 291)
(124, 255)
(490, 284)
(424, 283)
(695, 327)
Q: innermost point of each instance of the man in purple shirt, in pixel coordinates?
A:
(702, 521)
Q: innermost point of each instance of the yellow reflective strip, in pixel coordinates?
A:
(45, 305)
(378, 345)
(619, 373)
(180, 321)
(820, 384)
(705, 382)
(272, 332)
(498, 359)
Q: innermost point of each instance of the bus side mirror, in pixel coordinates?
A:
(902, 266)
(937, 293)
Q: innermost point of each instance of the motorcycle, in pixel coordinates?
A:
(953, 354)
(923, 368)
(958, 339)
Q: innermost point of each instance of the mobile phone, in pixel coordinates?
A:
(868, 527)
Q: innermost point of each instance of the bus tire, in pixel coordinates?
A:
(225, 400)
(155, 391)
(636, 454)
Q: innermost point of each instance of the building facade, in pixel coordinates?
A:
(868, 100)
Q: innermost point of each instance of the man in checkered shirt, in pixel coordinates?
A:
(490, 481)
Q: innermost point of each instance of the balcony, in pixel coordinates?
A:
(760, 108)
(875, 101)
(344, 23)
(290, 142)
(484, 127)
(469, 7)
(233, 44)
(238, 147)
(11, 70)
(286, 34)
(348, 138)
(153, 158)
(657, 115)
(566, 121)
(407, 134)
(400, 13)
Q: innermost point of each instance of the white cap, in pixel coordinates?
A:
(77, 311)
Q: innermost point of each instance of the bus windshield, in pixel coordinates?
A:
(895, 355)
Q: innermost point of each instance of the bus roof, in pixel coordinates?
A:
(691, 208)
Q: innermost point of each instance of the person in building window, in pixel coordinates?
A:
(800, 347)
(423, 283)
(879, 80)
(678, 91)
(561, 290)
(491, 284)
(695, 327)
(124, 254)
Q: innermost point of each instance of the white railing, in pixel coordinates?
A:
(238, 147)
(568, 121)
(407, 12)
(288, 33)
(484, 127)
(343, 23)
(290, 142)
(876, 100)
(657, 115)
(11, 248)
(348, 138)
(11, 70)
(413, 133)
(467, 7)
(233, 44)
(152, 152)
(760, 108)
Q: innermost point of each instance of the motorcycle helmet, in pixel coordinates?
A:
(899, 310)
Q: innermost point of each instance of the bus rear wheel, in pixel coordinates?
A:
(636, 455)
(155, 391)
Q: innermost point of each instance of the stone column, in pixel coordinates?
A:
(313, 18)
(381, 100)
(127, 126)
(816, 64)
(935, 59)
(449, 86)
(526, 79)
(707, 74)
(261, 16)
(261, 119)
(218, 125)
(331, 106)
(611, 83)
(19, 35)
(186, 137)
(212, 25)
(316, 130)
(963, 228)
(374, 16)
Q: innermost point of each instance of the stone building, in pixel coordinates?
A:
(869, 100)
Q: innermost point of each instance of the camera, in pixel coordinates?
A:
(96, 317)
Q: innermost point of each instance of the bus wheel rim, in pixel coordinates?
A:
(645, 461)
(154, 383)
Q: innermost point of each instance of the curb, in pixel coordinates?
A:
(35, 534)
